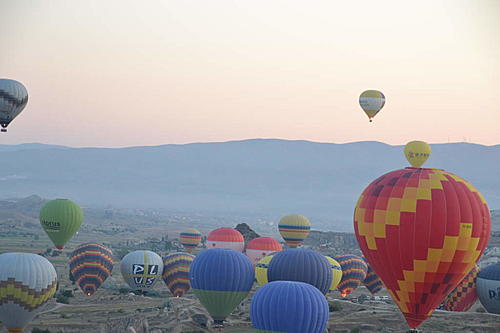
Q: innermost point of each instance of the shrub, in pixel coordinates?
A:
(333, 307)
(481, 310)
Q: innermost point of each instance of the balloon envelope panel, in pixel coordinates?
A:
(422, 231)
(91, 264)
(292, 307)
(27, 282)
(261, 270)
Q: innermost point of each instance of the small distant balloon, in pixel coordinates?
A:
(190, 239)
(371, 101)
(294, 229)
(417, 152)
(13, 99)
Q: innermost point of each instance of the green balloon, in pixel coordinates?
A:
(61, 219)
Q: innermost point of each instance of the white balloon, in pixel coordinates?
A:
(27, 282)
(141, 269)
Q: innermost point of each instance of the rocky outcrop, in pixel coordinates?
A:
(247, 232)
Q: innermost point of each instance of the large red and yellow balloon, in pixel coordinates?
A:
(422, 231)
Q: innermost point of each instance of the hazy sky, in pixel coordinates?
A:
(121, 73)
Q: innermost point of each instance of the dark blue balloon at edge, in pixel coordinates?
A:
(302, 265)
(291, 307)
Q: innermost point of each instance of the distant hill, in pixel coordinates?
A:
(254, 177)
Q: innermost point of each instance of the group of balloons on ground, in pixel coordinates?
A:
(14, 98)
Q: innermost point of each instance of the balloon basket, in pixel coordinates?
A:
(415, 330)
(3, 130)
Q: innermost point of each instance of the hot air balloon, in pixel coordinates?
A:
(488, 288)
(372, 282)
(336, 271)
(463, 297)
(226, 238)
(422, 231)
(294, 229)
(260, 247)
(417, 152)
(91, 264)
(190, 239)
(221, 279)
(27, 282)
(354, 271)
(176, 272)
(141, 269)
(13, 99)
(287, 306)
(261, 269)
(371, 101)
(61, 219)
(303, 265)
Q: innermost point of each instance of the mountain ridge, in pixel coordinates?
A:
(258, 177)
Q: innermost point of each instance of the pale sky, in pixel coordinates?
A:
(125, 73)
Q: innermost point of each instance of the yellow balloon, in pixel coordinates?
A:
(261, 270)
(371, 101)
(337, 273)
(417, 152)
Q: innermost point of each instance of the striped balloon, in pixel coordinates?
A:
(226, 238)
(463, 297)
(190, 239)
(354, 271)
(294, 229)
(91, 264)
(176, 272)
(372, 282)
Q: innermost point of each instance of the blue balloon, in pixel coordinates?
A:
(303, 265)
(221, 279)
(291, 307)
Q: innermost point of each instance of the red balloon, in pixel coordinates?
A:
(422, 231)
(226, 238)
(260, 247)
